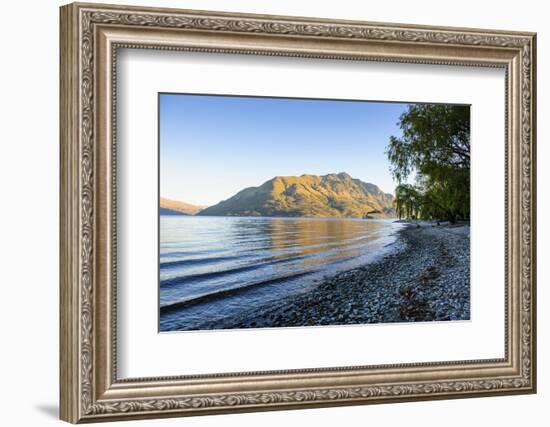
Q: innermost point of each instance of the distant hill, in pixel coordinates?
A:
(173, 207)
(333, 195)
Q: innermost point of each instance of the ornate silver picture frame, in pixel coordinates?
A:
(91, 36)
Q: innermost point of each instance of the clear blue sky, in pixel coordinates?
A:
(211, 147)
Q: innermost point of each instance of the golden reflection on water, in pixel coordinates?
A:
(307, 236)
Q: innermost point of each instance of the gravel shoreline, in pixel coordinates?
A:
(426, 279)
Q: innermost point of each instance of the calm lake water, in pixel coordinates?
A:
(212, 268)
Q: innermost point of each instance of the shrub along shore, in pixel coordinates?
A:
(427, 278)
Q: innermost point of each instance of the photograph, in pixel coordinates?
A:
(292, 212)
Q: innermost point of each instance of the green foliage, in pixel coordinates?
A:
(408, 201)
(435, 146)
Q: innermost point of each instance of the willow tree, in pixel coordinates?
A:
(408, 201)
(434, 147)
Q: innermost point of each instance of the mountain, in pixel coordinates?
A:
(173, 207)
(333, 195)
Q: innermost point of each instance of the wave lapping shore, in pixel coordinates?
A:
(426, 279)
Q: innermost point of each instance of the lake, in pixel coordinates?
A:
(213, 268)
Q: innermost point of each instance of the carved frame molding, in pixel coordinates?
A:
(90, 37)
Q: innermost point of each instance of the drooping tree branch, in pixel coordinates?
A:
(435, 145)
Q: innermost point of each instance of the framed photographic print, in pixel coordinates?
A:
(264, 212)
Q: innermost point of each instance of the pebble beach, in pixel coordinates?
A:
(425, 278)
